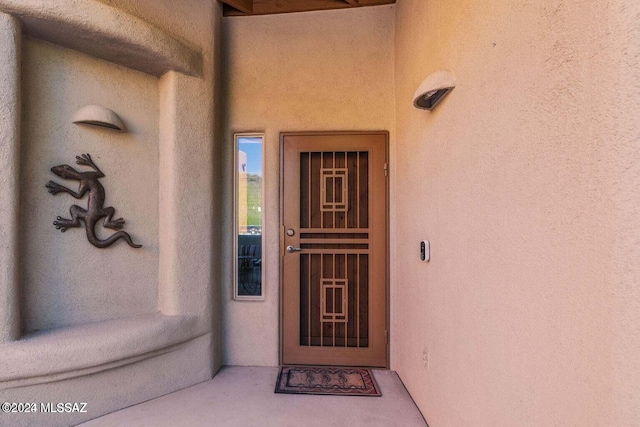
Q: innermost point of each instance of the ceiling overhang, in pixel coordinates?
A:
(268, 7)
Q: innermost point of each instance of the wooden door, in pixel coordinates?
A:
(334, 248)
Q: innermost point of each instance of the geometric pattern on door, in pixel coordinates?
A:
(334, 300)
(334, 279)
(334, 187)
(334, 268)
(334, 310)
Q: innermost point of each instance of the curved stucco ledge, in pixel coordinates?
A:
(59, 354)
(97, 29)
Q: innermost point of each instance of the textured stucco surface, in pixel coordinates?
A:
(166, 198)
(113, 389)
(526, 180)
(10, 94)
(310, 71)
(106, 32)
(55, 355)
(65, 280)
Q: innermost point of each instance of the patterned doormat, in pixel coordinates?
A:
(327, 380)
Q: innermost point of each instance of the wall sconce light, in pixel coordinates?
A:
(97, 115)
(433, 89)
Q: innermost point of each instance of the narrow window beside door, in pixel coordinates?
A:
(248, 216)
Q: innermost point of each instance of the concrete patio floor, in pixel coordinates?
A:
(244, 396)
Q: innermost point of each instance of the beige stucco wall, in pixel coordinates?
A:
(312, 71)
(525, 180)
(117, 326)
(64, 280)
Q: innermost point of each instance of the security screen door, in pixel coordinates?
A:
(334, 248)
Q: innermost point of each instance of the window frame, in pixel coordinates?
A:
(236, 187)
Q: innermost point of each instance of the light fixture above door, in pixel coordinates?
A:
(433, 88)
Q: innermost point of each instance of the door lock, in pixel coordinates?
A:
(291, 249)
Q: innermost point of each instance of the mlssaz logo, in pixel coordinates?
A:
(63, 407)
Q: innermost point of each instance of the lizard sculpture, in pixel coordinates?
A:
(95, 207)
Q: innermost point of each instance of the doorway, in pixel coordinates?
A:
(334, 281)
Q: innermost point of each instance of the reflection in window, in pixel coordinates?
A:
(249, 216)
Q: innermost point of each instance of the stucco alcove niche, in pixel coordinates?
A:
(119, 326)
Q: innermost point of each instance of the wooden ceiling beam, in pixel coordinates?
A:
(375, 2)
(243, 6)
(268, 7)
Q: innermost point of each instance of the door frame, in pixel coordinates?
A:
(282, 235)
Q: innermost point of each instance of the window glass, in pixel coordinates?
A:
(248, 205)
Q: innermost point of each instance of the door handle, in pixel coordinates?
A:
(291, 249)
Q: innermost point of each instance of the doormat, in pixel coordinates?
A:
(331, 380)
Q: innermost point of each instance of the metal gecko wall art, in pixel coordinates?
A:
(95, 207)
